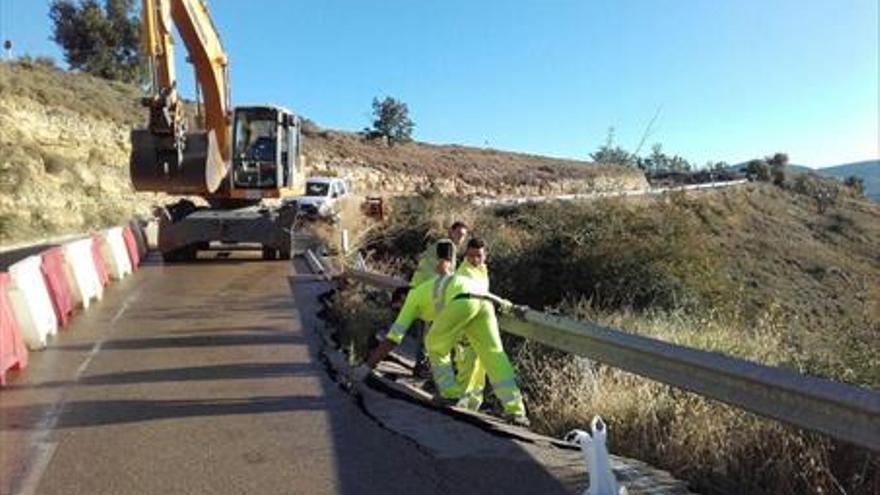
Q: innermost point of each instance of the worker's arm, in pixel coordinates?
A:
(505, 306)
(499, 302)
(405, 318)
(425, 268)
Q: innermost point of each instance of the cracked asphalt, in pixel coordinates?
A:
(205, 378)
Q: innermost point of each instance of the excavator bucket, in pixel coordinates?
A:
(156, 167)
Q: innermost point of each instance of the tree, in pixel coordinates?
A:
(658, 161)
(391, 121)
(758, 169)
(102, 42)
(777, 164)
(609, 154)
(856, 183)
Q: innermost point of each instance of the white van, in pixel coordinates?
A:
(323, 197)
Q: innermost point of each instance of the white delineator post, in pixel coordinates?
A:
(344, 242)
(602, 480)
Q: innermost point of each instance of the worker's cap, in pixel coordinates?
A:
(445, 250)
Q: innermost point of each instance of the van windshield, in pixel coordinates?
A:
(317, 189)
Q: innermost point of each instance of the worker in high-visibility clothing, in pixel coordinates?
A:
(468, 313)
(420, 304)
(428, 259)
(424, 271)
(470, 374)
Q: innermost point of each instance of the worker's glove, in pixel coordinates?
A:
(504, 306)
(520, 311)
(360, 373)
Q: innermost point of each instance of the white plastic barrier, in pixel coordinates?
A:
(31, 303)
(602, 480)
(81, 272)
(151, 233)
(114, 251)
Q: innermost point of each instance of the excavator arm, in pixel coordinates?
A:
(167, 157)
(242, 156)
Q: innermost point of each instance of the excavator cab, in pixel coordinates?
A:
(265, 150)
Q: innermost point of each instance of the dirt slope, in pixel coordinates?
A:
(64, 158)
(457, 169)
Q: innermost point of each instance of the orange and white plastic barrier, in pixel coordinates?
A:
(140, 236)
(115, 253)
(13, 353)
(55, 276)
(99, 260)
(131, 247)
(85, 282)
(31, 303)
(41, 291)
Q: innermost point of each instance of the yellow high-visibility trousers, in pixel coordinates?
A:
(475, 320)
(470, 375)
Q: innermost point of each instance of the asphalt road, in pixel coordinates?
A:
(205, 378)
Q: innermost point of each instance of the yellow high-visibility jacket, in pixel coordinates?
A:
(478, 274)
(426, 300)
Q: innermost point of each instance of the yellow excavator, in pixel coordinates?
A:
(242, 156)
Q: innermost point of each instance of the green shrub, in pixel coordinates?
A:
(607, 253)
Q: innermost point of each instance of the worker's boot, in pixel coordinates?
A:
(422, 369)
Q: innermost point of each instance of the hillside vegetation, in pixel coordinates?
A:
(755, 272)
(64, 150)
(868, 170)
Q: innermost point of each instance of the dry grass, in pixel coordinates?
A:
(719, 448)
(83, 94)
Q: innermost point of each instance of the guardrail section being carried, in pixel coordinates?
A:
(845, 412)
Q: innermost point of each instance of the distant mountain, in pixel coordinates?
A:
(868, 170)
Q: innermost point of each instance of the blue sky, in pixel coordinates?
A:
(731, 80)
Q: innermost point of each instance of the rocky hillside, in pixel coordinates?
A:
(453, 169)
(63, 153)
(64, 158)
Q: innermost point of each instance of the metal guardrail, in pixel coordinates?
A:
(605, 194)
(315, 263)
(845, 412)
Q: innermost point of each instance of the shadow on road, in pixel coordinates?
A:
(110, 412)
(218, 339)
(244, 371)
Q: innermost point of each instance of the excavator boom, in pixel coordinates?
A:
(166, 157)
